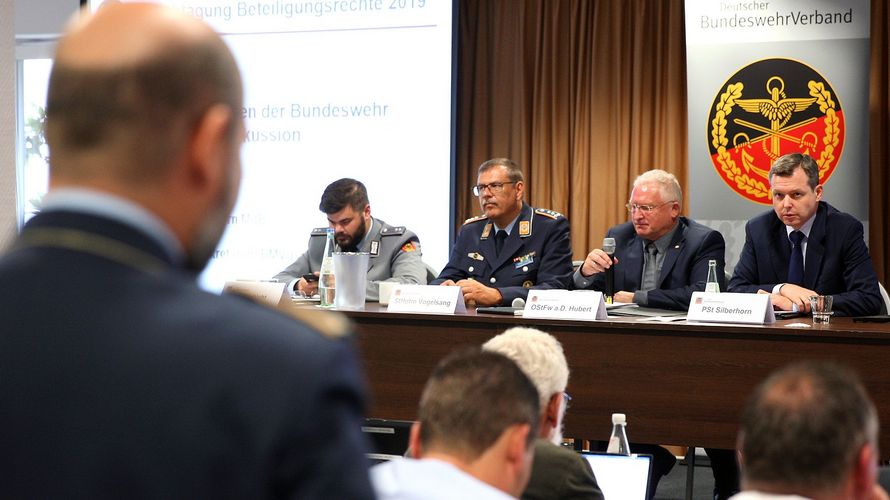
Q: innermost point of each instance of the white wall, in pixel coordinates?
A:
(7, 123)
(22, 22)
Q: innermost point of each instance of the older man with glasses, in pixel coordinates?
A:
(511, 247)
(660, 258)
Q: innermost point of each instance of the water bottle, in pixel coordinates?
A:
(326, 284)
(618, 444)
(712, 286)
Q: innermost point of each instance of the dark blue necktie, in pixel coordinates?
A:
(795, 265)
(499, 238)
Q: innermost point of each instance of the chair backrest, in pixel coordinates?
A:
(431, 273)
(886, 299)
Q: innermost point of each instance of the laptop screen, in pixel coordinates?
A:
(621, 476)
(388, 438)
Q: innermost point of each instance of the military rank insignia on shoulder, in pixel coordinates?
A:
(475, 219)
(319, 231)
(392, 231)
(330, 324)
(546, 212)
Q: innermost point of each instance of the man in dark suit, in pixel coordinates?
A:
(660, 259)
(122, 378)
(829, 257)
(657, 240)
(512, 247)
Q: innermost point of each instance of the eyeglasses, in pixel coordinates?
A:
(567, 398)
(633, 207)
(494, 187)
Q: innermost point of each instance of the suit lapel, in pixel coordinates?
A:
(632, 265)
(815, 249)
(779, 249)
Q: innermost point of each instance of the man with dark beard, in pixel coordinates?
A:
(394, 251)
(122, 378)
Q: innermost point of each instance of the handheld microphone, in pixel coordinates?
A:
(609, 248)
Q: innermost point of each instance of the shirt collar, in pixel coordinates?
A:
(664, 242)
(113, 207)
(805, 228)
(509, 227)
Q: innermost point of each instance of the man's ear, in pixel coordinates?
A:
(865, 471)
(517, 442)
(210, 147)
(551, 411)
(520, 187)
(414, 447)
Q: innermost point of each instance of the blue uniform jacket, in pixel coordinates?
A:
(837, 261)
(684, 270)
(536, 254)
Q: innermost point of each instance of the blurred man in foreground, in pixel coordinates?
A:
(123, 378)
(558, 473)
(477, 420)
(810, 431)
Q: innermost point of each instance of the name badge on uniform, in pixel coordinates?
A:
(375, 247)
(525, 228)
(523, 260)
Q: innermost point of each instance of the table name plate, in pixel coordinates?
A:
(427, 299)
(747, 308)
(564, 304)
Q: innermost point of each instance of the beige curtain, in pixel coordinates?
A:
(584, 95)
(587, 94)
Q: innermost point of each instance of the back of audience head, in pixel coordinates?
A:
(479, 410)
(810, 429)
(541, 358)
(144, 102)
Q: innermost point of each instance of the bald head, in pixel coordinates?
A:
(130, 82)
(804, 428)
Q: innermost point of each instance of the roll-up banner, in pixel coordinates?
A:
(768, 78)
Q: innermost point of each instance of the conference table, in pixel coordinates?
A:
(679, 383)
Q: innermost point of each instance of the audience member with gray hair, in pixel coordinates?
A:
(478, 418)
(558, 473)
(810, 431)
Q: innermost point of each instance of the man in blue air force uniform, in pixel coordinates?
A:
(394, 251)
(512, 247)
(124, 379)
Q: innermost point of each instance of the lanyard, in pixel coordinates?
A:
(93, 244)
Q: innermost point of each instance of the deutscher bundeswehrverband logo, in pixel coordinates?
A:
(767, 109)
